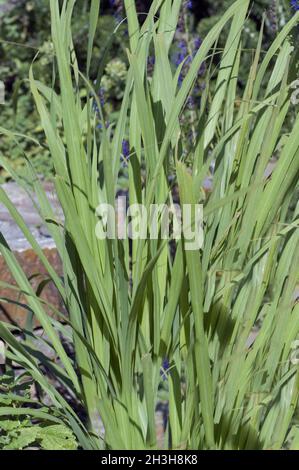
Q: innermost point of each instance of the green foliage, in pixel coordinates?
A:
(24, 28)
(19, 435)
(223, 319)
(25, 35)
(21, 432)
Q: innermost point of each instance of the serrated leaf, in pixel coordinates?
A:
(8, 425)
(57, 437)
(25, 437)
(5, 401)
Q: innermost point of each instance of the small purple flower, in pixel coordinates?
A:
(165, 368)
(179, 58)
(125, 152)
(183, 46)
(181, 55)
(294, 5)
(165, 364)
(126, 148)
(189, 4)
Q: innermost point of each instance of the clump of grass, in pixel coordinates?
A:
(134, 307)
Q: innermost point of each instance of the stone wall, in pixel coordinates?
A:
(35, 271)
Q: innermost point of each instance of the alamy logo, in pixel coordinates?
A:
(160, 221)
(2, 92)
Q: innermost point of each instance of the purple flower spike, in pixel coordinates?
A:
(125, 153)
(165, 364)
(179, 58)
(295, 5)
(126, 148)
(183, 46)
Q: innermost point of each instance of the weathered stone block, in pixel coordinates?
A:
(29, 261)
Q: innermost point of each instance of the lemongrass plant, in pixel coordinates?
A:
(222, 320)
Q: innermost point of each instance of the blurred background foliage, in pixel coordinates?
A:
(25, 37)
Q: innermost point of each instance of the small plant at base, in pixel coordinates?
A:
(20, 431)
